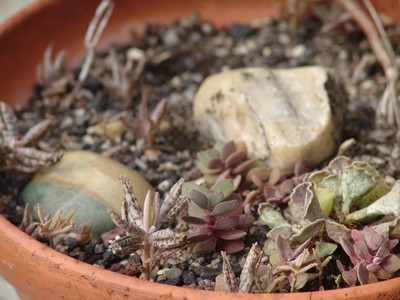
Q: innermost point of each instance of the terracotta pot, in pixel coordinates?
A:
(38, 272)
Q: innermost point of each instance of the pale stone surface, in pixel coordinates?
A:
(281, 115)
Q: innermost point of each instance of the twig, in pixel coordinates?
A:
(383, 51)
(95, 29)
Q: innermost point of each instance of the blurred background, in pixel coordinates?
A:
(7, 9)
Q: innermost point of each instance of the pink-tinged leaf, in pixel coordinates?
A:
(362, 273)
(206, 246)
(228, 149)
(296, 252)
(236, 182)
(368, 230)
(193, 220)
(225, 186)
(304, 205)
(222, 176)
(233, 246)
(244, 166)
(340, 266)
(374, 241)
(287, 186)
(336, 231)
(246, 219)
(348, 248)
(356, 236)
(350, 277)
(232, 234)
(391, 263)
(275, 176)
(226, 223)
(215, 164)
(283, 248)
(199, 198)
(373, 268)
(199, 235)
(384, 249)
(235, 158)
(258, 175)
(361, 251)
(300, 167)
(338, 164)
(225, 207)
(393, 243)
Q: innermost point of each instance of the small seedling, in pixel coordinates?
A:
(148, 230)
(49, 227)
(15, 154)
(217, 215)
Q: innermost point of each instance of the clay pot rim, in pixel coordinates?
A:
(9, 232)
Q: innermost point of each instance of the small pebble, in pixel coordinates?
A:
(240, 30)
(173, 273)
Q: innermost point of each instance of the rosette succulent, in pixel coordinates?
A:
(223, 161)
(217, 215)
(369, 252)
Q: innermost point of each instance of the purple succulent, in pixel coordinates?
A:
(217, 216)
(276, 186)
(369, 251)
(223, 161)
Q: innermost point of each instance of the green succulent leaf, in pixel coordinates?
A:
(326, 199)
(271, 217)
(225, 186)
(324, 249)
(199, 198)
(317, 177)
(356, 182)
(388, 205)
(215, 198)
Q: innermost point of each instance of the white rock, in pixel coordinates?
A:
(281, 115)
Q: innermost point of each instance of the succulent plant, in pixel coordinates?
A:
(49, 71)
(148, 230)
(345, 186)
(290, 267)
(146, 123)
(217, 215)
(224, 161)
(247, 276)
(275, 186)
(49, 227)
(369, 252)
(14, 151)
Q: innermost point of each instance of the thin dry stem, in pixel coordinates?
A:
(383, 50)
(95, 29)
